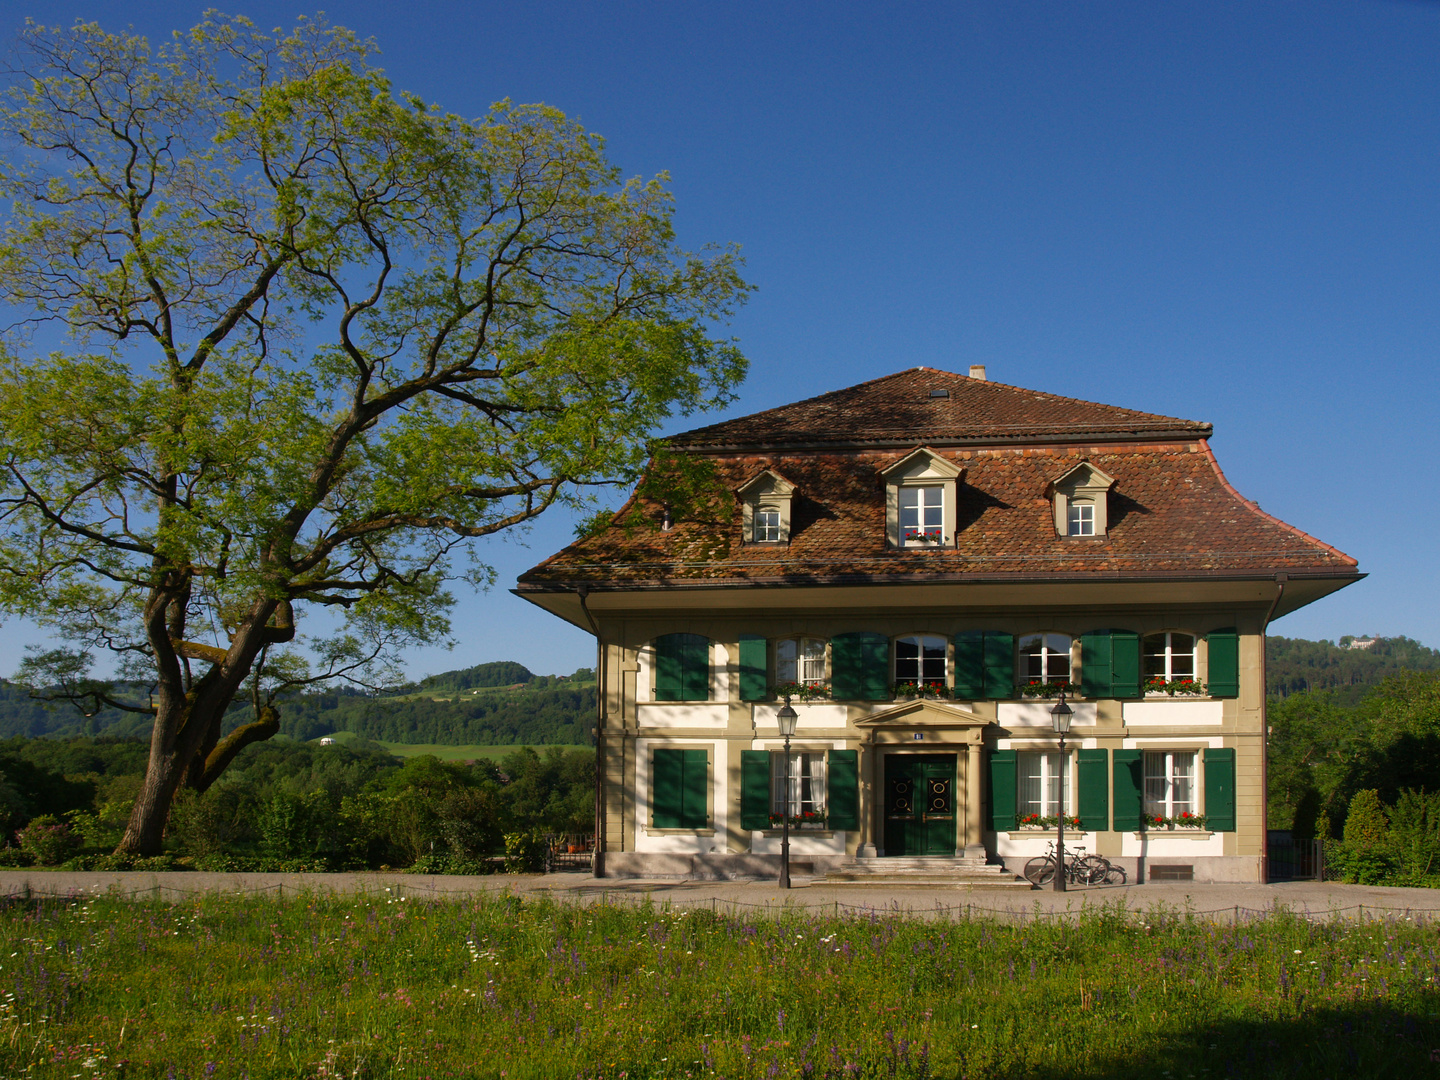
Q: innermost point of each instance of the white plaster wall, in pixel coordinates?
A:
(809, 716)
(1174, 742)
(681, 844)
(1037, 714)
(1171, 845)
(1023, 845)
(672, 714)
(1173, 713)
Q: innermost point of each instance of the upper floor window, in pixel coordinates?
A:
(1082, 500)
(1169, 657)
(920, 659)
(1082, 518)
(920, 500)
(800, 660)
(922, 515)
(767, 525)
(1045, 658)
(765, 509)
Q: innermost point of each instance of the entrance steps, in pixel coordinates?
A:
(961, 872)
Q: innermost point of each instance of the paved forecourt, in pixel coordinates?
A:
(1322, 899)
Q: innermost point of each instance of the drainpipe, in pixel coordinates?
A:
(1280, 580)
(597, 857)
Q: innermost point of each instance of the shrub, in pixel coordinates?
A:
(524, 852)
(1365, 855)
(50, 840)
(470, 821)
(1415, 834)
(14, 857)
(210, 823)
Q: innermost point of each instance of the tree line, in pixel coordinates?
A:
(286, 805)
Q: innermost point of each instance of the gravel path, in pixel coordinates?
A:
(1315, 898)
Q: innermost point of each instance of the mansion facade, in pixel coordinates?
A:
(921, 565)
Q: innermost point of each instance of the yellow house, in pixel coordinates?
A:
(922, 563)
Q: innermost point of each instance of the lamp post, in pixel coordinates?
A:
(786, 718)
(1060, 717)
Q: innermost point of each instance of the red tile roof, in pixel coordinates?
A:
(905, 409)
(1171, 511)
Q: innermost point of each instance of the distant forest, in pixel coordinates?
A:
(1293, 665)
(496, 704)
(505, 704)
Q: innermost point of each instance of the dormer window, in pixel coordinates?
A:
(765, 509)
(1082, 518)
(1082, 497)
(920, 494)
(922, 515)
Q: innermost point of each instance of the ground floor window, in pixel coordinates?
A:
(1040, 783)
(1170, 783)
(806, 799)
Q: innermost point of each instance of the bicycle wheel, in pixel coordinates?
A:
(1116, 875)
(1040, 869)
(1093, 870)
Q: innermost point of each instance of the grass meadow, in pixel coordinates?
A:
(497, 986)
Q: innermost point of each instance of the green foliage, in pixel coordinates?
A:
(323, 336)
(1367, 826)
(48, 840)
(524, 852)
(498, 673)
(1415, 835)
(500, 984)
(1293, 665)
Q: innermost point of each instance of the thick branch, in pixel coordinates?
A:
(258, 730)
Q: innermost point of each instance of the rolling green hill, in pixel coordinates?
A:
(1293, 665)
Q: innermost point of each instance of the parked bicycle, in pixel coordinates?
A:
(1080, 869)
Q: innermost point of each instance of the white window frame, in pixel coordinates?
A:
(806, 663)
(1163, 776)
(921, 641)
(1169, 674)
(1047, 655)
(1039, 771)
(1082, 518)
(928, 511)
(768, 524)
(809, 782)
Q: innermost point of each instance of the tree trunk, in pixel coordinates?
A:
(145, 832)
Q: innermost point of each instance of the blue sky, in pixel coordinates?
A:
(1223, 211)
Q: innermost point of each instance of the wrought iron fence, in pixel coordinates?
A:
(1295, 860)
(569, 851)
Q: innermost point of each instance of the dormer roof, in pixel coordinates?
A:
(766, 480)
(1082, 475)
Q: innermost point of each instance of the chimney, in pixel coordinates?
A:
(977, 371)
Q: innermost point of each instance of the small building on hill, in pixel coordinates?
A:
(922, 563)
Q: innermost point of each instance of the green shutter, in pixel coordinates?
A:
(667, 787)
(695, 790)
(1125, 664)
(1096, 658)
(970, 665)
(754, 684)
(1129, 790)
(1224, 677)
(1093, 782)
(754, 789)
(860, 667)
(999, 665)
(1220, 789)
(695, 674)
(668, 661)
(1002, 790)
(844, 789)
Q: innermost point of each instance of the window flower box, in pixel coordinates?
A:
(1047, 822)
(1037, 689)
(1176, 688)
(1184, 822)
(921, 690)
(808, 820)
(801, 691)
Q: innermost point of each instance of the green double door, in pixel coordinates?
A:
(919, 804)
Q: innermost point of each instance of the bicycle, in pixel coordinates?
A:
(1080, 869)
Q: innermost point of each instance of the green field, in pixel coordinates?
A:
(449, 753)
(254, 986)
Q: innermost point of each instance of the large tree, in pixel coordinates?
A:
(283, 338)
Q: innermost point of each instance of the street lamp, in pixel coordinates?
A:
(786, 718)
(1060, 717)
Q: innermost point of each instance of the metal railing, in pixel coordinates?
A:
(1295, 860)
(569, 851)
